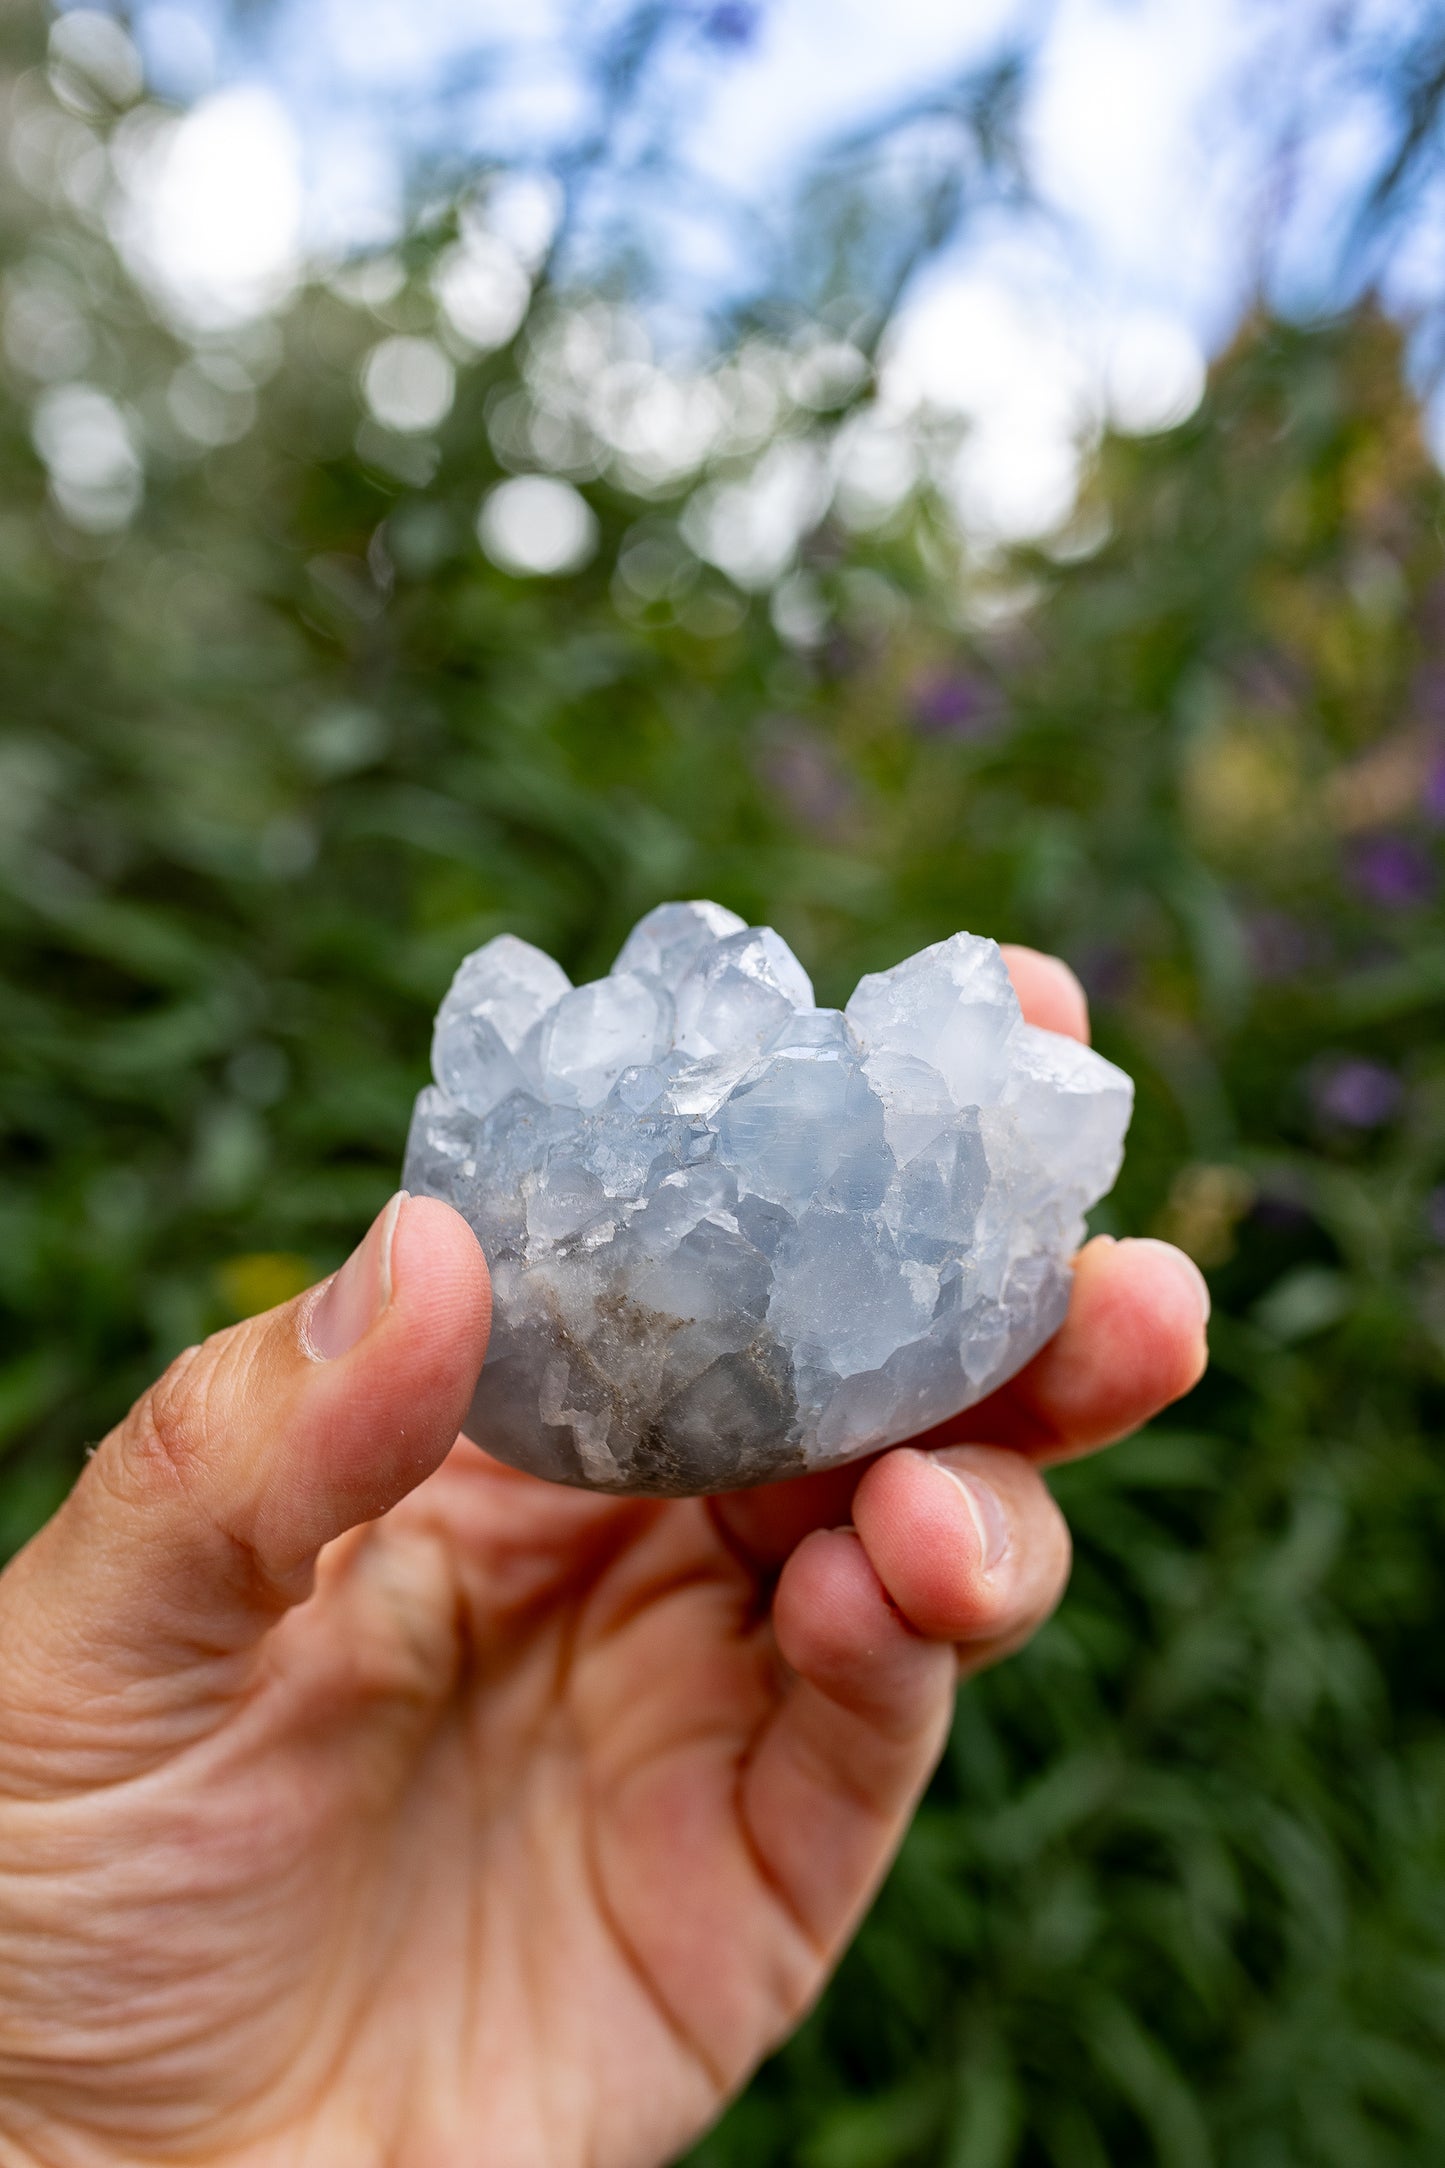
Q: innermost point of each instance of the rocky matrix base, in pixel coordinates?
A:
(734, 1236)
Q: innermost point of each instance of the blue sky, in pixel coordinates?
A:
(1129, 122)
(1152, 129)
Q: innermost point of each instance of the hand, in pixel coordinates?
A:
(363, 1801)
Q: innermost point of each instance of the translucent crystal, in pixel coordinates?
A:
(1073, 1107)
(595, 1032)
(667, 943)
(499, 994)
(738, 992)
(734, 1236)
(951, 1006)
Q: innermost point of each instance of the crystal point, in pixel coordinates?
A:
(951, 1006)
(668, 942)
(498, 997)
(596, 1032)
(734, 1236)
(739, 992)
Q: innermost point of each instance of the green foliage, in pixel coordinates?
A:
(277, 756)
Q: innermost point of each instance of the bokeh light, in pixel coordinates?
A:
(210, 213)
(89, 448)
(409, 384)
(537, 526)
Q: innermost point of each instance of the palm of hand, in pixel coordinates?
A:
(525, 1753)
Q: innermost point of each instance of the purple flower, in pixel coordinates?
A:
(954, 704)
(1432, 794)
(731, 22)
(805, 775)
(1428, 692)
(1435, 1213)
(1281, 947)
(1107, 971)
(1394, 871)
(1355, 1093)
(841, 654)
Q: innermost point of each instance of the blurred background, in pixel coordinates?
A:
(957, 468)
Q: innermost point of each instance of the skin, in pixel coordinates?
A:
(364, 1801)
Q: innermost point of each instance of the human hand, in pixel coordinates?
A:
(364, 1801)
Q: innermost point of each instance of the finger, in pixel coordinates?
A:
(961, 1548)
(199, 1519)
(1049, 994)
(840, 1764)
(764, 1526)
(1133, 1341)
(968, 1543)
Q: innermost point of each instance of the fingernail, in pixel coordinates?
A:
(1183, 1265)
(986, 1509)
(353, 1298)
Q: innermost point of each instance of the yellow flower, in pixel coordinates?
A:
(1205, 1207)
(1241, 784)
(261, 1279)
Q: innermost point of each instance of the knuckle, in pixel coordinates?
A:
(168, 1442)
(162, 1441)
(168, 1456)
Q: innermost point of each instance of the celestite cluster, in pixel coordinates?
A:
(733, 1235)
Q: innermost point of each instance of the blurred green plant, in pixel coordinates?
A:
(281, 742)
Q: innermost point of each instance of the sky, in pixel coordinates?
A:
(1124, 121)
(1148, 124)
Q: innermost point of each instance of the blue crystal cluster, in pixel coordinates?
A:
(734, 1236)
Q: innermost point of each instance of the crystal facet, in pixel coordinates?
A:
(734, 1236)
(499, 995)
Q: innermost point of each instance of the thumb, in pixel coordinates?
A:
(197, 1522)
